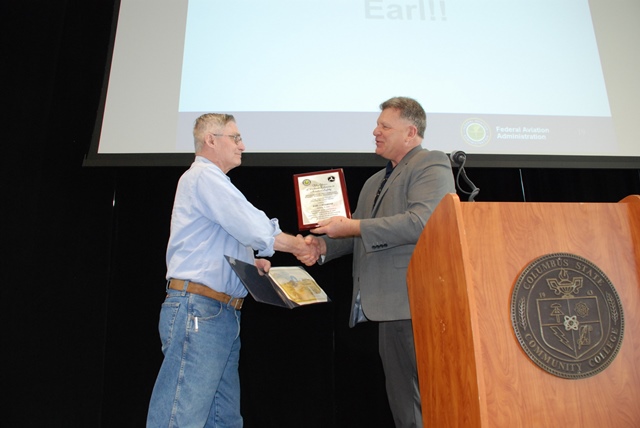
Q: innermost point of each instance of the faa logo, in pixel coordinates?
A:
(475, 132)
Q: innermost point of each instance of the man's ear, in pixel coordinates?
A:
(209, 140)
(413, 131)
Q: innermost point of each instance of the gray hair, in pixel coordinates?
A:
(208, 122)
(410, 110)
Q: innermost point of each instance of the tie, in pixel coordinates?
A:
(386, 177)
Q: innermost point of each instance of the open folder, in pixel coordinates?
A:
(285, 286)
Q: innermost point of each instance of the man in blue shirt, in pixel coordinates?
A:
(198, 383)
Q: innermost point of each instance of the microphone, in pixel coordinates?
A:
(458, 159)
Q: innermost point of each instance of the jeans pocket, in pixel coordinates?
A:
(168, 316)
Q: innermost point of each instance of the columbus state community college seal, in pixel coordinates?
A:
(567, 316)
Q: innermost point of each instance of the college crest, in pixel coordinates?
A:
(567, 316)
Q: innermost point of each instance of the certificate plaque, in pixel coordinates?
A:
(320, 195)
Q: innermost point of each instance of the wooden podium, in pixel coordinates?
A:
(473, 370)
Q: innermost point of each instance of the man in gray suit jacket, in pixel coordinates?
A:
(393, 207)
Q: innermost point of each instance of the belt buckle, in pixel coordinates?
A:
(237, 305)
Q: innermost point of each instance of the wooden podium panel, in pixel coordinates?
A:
(473, 371)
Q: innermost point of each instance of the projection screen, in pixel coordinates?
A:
(512, 83)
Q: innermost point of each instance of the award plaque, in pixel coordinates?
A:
(320, 195)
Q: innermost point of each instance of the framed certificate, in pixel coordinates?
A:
(320, 195)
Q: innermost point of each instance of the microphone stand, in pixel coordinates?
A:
(458, 159)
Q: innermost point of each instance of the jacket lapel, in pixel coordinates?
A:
(394, 175)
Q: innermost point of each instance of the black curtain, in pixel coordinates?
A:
(83, 254)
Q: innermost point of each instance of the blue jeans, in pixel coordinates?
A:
(198, 384)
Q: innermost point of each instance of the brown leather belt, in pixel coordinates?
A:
(203, 290)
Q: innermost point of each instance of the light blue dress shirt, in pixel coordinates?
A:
(211, 218)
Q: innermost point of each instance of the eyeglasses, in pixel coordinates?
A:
(236, 138)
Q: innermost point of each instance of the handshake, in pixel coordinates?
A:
(308, 249)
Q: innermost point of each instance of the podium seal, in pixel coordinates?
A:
(567, 316)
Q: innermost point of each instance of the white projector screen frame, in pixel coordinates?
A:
(513, 84)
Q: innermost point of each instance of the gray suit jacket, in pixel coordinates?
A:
(390, 230)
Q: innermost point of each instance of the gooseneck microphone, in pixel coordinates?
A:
(458, 159)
